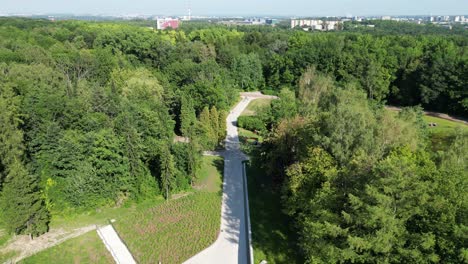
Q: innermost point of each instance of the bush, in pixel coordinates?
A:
(251, 123)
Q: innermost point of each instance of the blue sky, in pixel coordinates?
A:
(240, 7)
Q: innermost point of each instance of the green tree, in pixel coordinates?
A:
(188, 128)
(285, 106)
(167, 171)
(214, 123)
(188, 117)
(222, 126)
(208, 133)
(23, 207)
(247, 71)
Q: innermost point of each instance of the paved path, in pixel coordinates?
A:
(231, 245)
(115, 246)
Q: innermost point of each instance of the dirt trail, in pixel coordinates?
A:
(26, 247)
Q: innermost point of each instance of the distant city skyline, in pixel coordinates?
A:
(239, 7)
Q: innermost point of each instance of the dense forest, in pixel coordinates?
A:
(90, 112)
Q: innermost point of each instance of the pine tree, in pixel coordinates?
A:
(193, 158)
(10, 137)
(188, 118)
(188, 128)
(214, 122)
(222, 126)
(209, 138)
(167, 170)
(23, 208)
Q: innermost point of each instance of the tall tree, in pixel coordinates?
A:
(208, 134)
(188, 128)
(247, 70)
(214, 123)
(222, 125)
(188, 117)
(23, 207)
(167, 171)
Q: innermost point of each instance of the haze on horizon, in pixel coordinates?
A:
(238, 7)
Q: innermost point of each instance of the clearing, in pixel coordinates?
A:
(87, 248)
(169, 227)
(256, 105)
(173, 231)
(445, 131)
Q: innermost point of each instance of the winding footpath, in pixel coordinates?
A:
(232, 245)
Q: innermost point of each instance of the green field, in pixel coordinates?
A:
(272, 238)
(4, 237)
(6, 256)
(87, 248)
(444, 125)
(175, 230)
(153, 230)
(255, 105)
(210, 174)
(99, 216)
(442, 135)
(246, 136)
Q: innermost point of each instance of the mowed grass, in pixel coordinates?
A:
(273, 239)
(444, 133)
(4, 237)
(7, 256)
(209, 178)
(255, 106)
(443, 125)
(247, 136)
(175, 230)
(87, 248)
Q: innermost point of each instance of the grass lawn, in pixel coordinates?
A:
(245, 136)
(6, 256)
(210, 178)
(87, 248)
(99, 216)
(4, 237)
(444, 133)
(174, 231)
(443, 125)
(272, 238)
(256, 105)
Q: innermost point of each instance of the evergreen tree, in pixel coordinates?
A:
(188, 128)
(222, 126)
(208, 136)
(23, 208)
(188, 117)
(167, 171)
(214, 122)
(193, 158)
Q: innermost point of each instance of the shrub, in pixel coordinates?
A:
(251, 123)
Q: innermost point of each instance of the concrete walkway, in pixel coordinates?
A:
(115, 246)
(232, 243)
